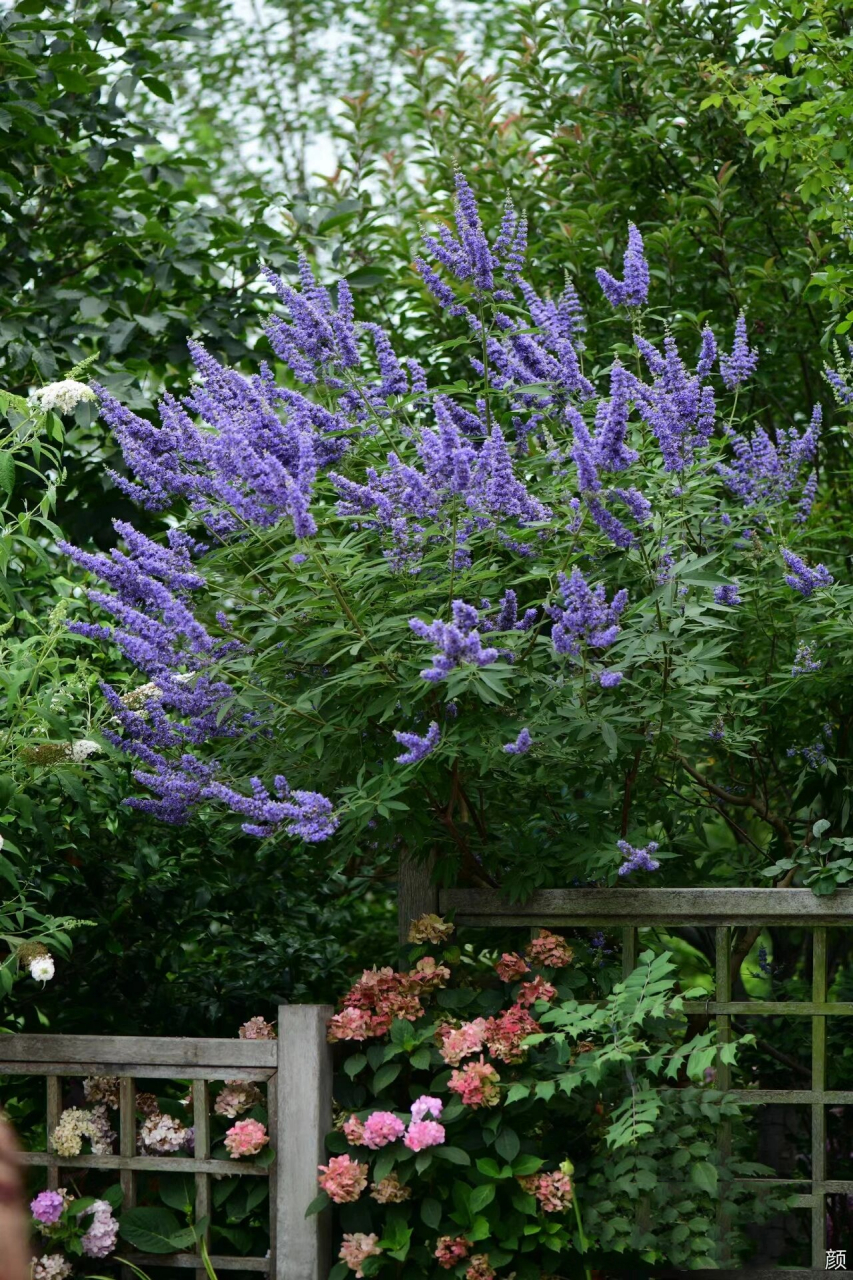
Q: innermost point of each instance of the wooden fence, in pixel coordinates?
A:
(724, 910)
(298, 1075)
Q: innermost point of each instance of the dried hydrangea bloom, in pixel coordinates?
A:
(246, 1138)
(428, 975)
(505, 1035)
(449, 1250)
(356, 1248)
(511, 967)
(554, 1191)
(160, 1134)
(343, 1179)
(430, 928)
(538, 989)
(480, 1268)
(390, 1190)
(103, 1089)
(237, 1096)
(550, 950)
(257, 1029)
(147, 1104)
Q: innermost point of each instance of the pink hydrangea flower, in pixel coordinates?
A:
(429, 975)
(381, 1128)
(257, 1029)
(460, 1042)
(511, 967)
(245, 1138)
(343, 1179)
(354, 1131)
(554, 1191)
(451, 1249)
(356, 1248)
(550, 950)
(351, 1024)
(425, 1106)
(538, 989)
(505, 1034)
(424, 1133)
(476, 1084)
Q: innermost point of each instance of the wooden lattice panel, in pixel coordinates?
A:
(296, 1069)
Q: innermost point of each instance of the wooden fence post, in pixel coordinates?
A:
(416, 893)
(301, 1116)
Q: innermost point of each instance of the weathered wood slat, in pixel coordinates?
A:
(147, 1164)
(219, 1262)
(303, 1118)
(773, 1008)
(12, 1067)
(757, 1097)
(641, 907)
(137, 1053)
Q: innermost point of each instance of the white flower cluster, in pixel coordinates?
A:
(42, 967)
(53, 1266)
(83, 748)
(161, 1134)
(237, 1096)
(63, 396)
(75, 1124)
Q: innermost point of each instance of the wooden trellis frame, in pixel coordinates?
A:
(722, 909)
(298, 1074)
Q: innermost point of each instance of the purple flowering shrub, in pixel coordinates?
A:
(524, 619)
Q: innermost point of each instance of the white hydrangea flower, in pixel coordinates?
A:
(83, 748)
(53, 1266)
(62, 396)
(42, 968)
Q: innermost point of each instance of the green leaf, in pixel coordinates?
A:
(481, 1196)
(155, 1230)
(353, 1065)
(526, 1165)
(386, 1075)
(704, 1175)
(508, 1144)
(7, 470)
(431, 1212)
(178, 1191)
(454, 1155)
(317, 1204)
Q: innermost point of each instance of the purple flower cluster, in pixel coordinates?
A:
(740, 364)
(637, 859)
(585, 617)
(678, 407)
(814, 755)
(468, 255)
(521, 746)
(765, 473)
(458, 642)
(805, 578)
(633, 289)
(727, 594)
(804, 661)
(47, 1207)
(610, 679)
(306, 815)
(507, 617)
(417, 747)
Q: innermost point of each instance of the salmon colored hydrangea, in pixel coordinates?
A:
(476, 1084)
(246, 1138)
(356, 1248)
(538, 989)
(343, 1179)
(449, 1250)
(511, 967)
(549, 950)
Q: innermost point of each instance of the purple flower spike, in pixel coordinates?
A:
(458, 642)
(637, 859)
(585, 616)
(804, 660)
(521, 746)
(804, 578)
(417, 748)
(740, 365)
(633, 289)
